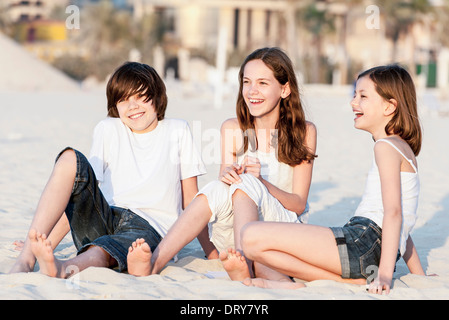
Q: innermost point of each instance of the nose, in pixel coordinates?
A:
(132, 103)
(354, 102)
(253, 89)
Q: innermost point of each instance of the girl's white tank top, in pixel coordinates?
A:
(371, 205)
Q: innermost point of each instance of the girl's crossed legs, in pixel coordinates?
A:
(307, 252)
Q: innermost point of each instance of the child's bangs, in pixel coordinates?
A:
(134, 87)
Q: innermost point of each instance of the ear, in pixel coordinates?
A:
(285, 91)
(390, 107)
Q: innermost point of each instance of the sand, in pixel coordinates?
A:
(36, 124)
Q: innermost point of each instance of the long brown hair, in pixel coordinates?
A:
(291, 126)
(394, 82)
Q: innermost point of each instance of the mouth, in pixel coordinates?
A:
(136, 115)
(357, 114)
(255, 101)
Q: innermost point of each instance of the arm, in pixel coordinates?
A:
(189, 188)
(411, 258)
(389, 163)
(302, 178)
(231, 140)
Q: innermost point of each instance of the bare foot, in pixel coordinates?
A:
(19, 244)
(22, 266)
(139, 258)
(272, 284)
(41, 248)
(234, 264)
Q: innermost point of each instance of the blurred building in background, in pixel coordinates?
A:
(37, 25)
(329, 41)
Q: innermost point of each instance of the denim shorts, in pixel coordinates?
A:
(93, 222)
(359, 245)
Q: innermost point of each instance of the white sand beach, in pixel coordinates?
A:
(36, 124)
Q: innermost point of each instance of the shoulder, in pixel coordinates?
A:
(384, 146)
(174, 122)
(385, 152)
(311, 128)
(175, 130)
(231, 123)
(311, 135)
(393, 143)
(173, 125)
(108, 125)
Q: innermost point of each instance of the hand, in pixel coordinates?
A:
(231, 174)
(252, 166)
(380, 284)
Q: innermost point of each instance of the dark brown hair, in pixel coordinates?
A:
(394, 82)
(291, 125)
(133, 78)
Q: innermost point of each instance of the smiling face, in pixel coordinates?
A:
(138, 114)
(261, 91)
(371, 111)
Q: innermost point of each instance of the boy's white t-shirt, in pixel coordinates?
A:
(143, 172)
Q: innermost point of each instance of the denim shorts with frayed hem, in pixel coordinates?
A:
(359, 245)
(93, 222)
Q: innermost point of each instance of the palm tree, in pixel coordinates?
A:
(317, 20)
(324, 18)
(341, 9)
(400, 16)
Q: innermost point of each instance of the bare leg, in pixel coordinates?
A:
(186, 228)
(235, 264)
(245, 210)
(51, 206)
(58, 232)
(208, 247)
(49, 265)
(306, 252)
(139, 258)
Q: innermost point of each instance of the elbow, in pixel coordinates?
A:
(300, 208)
(394, 213)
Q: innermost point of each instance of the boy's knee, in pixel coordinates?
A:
(67, 155)
(66, 160)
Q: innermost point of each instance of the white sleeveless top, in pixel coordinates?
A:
(371, 205)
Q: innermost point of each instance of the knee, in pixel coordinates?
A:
(239, 194)
(250, 188)
(66, 161)
(250, 239)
